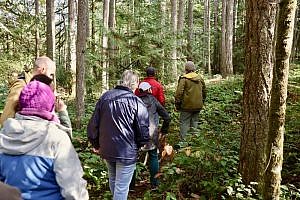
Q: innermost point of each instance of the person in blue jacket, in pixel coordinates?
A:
(36, 153)
(118, 127)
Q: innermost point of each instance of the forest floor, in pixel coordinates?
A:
(205, 167)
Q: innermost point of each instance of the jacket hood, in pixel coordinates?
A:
(22, 134)
(192, 76)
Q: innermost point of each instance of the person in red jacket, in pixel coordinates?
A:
(157, 88)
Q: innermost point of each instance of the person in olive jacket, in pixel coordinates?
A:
(189, 98)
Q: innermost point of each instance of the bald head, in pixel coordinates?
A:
(44, 65)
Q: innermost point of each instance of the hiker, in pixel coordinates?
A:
(156, 87)
(36, 155)
(155, 109)
(42, 65)
(189, 98)
(118, 127)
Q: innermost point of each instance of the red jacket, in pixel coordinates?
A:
(157, 89)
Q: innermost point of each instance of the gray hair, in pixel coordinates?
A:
(130, 79)
(44, 62)
(190, 66)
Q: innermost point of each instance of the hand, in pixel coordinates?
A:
(162, 139)
(96, 151)
(60, 105)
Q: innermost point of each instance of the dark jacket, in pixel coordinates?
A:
(155, 109)
(190, 93)
(119, 125)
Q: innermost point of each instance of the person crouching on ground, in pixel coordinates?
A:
(36, 156)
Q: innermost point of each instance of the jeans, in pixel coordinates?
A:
(187, 121)
(153, 166)
(119, 179)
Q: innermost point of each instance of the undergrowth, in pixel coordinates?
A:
(205, 164)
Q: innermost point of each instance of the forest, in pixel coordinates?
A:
(247, 143)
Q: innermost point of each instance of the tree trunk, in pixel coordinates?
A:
(207, 34)
(112, 48)
(284, 40)
(223, 38)
(82, 34)
(105, 63)
(260, 23)
(190, 30)
(235, 16)
(163, 8)
(216, 53)
(37, 28)
(180, 26)
(93, 28)
(296, 40)
(229, 37)
(50, 29)
(227, 34)
(174, 31)
(71, 60)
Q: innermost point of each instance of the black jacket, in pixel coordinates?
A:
(119, 125)
(155, 109)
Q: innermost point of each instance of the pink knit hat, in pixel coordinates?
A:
(37, 99)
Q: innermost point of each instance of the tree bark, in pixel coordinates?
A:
(227, 34)
(82, 34)
(296, 37)
(163, 8)
(112, 48)
(190, 30)
(216, 52)
(174, 31)
(180, 26)
(284, 40)
(71, 60)
(260, 23)
(207, 34)
(50, 18)
(37, 28)
(105, 63)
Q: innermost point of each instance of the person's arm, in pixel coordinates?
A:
(161, 95)
(179, 93)
(68, 171)
(9, 193)
(141, 125)
(63, 116)
(93, 128)
(163, 113)
(12, 100)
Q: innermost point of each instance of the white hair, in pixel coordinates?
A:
(130, 79)
(45, 62)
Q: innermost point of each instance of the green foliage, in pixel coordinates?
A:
(64, 78)
(289, 192)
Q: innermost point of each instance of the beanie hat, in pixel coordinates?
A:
(38, 99)
(144, 86)
(190, 66)
(150, 71)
